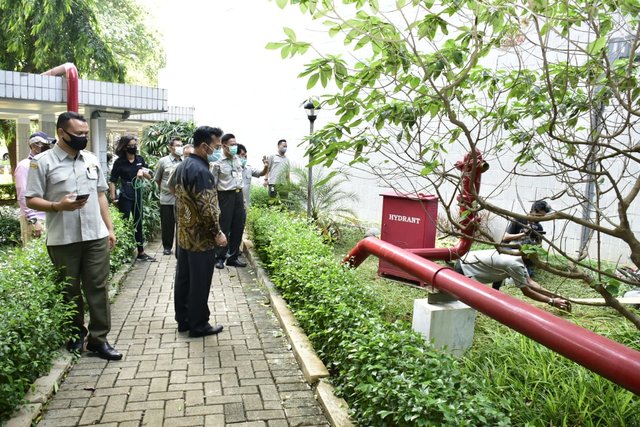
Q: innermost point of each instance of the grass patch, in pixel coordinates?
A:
(537, 386)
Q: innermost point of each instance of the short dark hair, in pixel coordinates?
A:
(241, 148)
(281, 141)
(121, 148)
(540, 206)
(204, 134)
(173, 140)
(226, 137)
(66, 117)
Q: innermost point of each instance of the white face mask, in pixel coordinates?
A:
(179, 151)
(282, 150)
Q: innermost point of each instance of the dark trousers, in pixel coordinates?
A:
(168, 225)
(232, 218)
(85, 267)
(194, 272)
(127, 206)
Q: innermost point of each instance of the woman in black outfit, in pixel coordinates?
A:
(129, 170)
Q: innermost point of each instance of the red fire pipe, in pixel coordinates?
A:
(601, 355)
(472, 168)
(71, 72)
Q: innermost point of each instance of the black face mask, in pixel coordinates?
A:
(76, 142)
(132, 150)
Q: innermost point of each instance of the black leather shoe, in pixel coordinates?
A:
(167, 252)
(183, 327)
(105, 351)
(209, 330)
(76, 345)
(219, 263)
(236, 263)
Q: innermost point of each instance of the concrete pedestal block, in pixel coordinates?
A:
(449, 325)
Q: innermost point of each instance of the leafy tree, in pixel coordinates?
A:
(544, 89)
(39, 35)
(329, 203)
(157, 136)
(134, 44)
(105, 40)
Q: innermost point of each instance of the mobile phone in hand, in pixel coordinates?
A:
(82, 197)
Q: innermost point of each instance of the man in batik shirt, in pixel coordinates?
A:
(198, 234)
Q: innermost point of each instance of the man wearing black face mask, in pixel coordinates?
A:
(79, 229)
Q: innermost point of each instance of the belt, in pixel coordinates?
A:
(237, 190)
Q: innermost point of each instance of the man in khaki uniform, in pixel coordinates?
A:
(68, 184)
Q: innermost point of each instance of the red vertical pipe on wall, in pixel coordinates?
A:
(601, 355)
(472, 167)
(71, 73)
(72, 87)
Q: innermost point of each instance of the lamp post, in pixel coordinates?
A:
(310, 109)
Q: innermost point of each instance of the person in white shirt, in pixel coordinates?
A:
(489, 266)
(279, 174)
(248, 172)
(165, 167)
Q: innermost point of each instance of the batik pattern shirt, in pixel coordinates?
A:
(196, 205)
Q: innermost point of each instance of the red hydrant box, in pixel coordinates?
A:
(409, 222)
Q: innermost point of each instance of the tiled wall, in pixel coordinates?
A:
(36, 87)
(173, 114)
(118, 95)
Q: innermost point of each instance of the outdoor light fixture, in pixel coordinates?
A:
(310, 108)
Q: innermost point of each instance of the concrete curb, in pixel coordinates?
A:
(47, 385)
(335, 408)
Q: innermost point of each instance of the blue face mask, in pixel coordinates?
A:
(244, 162)
(233, 150)
(215, 156)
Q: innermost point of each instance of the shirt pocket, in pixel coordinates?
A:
(226, 169)
(62, 180)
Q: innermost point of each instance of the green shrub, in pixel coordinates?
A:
(126, 242)
(34, 321)
(387, 375)
(8, 191)
(9, 226)
(259, 196)
(151, 210)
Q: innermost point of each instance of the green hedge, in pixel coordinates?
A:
(34, 320)
(9, 226)
(8, 191)
(387, 375)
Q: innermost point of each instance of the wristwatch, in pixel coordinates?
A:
(32, 220)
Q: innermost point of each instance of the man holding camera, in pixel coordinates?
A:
(520, 233)
(530, 232)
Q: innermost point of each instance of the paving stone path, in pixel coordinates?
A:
(245, 376)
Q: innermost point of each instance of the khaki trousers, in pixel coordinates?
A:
(85, 266)
(26, 230)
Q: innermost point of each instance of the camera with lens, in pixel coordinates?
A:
(534, 233)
